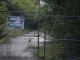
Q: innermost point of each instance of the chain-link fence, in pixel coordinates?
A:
(62, 42)
(19, 29)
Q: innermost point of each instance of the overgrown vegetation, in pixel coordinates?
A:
(5, 40)
(41, 53)
(17, 5)
(62, 27)
(56, 27)
(56, 49)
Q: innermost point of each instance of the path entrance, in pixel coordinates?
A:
(21, 47)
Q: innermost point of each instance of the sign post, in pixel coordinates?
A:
(15, 22)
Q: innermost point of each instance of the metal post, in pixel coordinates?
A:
(38, 26)
(45, 32)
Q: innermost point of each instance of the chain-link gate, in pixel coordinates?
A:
(16, 40)
(61, 37)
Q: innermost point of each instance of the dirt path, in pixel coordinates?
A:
(22, 47)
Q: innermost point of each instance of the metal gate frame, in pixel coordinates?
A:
(46, 7)
(38, 2)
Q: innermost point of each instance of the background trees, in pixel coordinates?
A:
(65, 25)
(3, 16)
(24, 5)
(17, 5)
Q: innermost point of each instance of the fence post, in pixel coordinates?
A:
(38, 26)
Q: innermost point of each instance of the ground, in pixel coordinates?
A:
(21, 47)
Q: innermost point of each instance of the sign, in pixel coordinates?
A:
(15, 22)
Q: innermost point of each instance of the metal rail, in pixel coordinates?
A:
(65, 39)
(60, 16)
(21, 35)
(21, 11)
(38, 26)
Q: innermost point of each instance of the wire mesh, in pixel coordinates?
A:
(62, 42)
(19, 43)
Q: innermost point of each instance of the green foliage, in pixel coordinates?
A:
(72, 6)
(5, 40)
(20, 5)
(41, 53)
(14, 32)
(56, 49)
(63, 25)
(3, 17)
(25, 5)
(17, 5)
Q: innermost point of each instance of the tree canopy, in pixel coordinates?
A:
(64, 25)
(18, 5)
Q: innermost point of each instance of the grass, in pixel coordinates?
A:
(48, 51)
(42, 42)
(17, 31)
(53, 50)
(12, 32)
(1, 56)
(32, 47)
(41, 53)
(5, 40)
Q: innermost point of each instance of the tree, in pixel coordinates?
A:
(17, 5)
(24, 5)
(65, 7)
(3, 18)
(64, 27)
